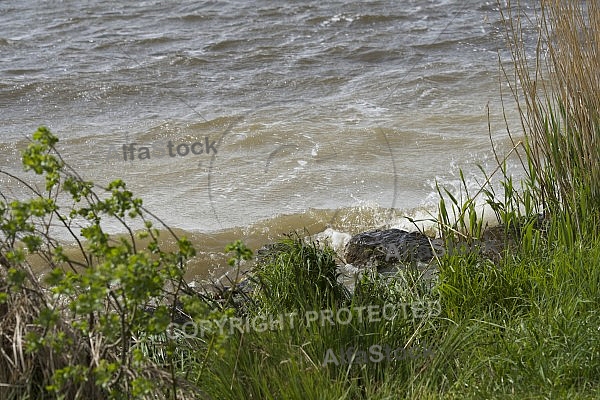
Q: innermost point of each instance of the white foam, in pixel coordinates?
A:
(424, 220)
(336, 239)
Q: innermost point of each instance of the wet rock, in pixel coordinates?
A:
(387, 248)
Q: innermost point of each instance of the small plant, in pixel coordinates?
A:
(73, 333)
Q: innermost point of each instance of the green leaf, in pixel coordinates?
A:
(16, 276)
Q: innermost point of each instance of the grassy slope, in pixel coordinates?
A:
(527, 328)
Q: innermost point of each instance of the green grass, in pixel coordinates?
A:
(527, 328)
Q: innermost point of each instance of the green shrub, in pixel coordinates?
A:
(74, 334)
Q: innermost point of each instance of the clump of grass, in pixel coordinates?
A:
(558, 97)
(295, 274)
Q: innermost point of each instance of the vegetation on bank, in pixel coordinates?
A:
(526, 324)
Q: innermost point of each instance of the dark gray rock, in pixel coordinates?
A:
(270, 251)
(386, 248)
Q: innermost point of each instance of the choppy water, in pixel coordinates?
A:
(316, 114)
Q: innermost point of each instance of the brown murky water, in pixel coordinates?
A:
(246, 120)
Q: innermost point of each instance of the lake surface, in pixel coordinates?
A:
(339, 114)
